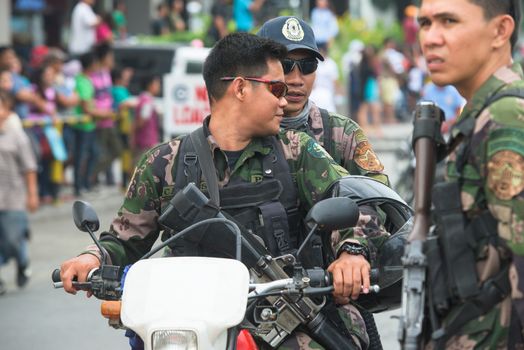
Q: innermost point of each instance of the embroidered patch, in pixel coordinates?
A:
(292, 30)
(315, 149)
(366, 158)
(505, 174)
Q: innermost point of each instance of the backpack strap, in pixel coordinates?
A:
(328, 132)
(195, 161)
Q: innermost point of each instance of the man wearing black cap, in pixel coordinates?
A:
(340, 136)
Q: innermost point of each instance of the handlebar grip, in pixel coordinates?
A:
(55, 276)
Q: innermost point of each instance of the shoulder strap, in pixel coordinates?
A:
(207, 165)
(328, 133)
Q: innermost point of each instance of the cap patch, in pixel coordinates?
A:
(292, 30)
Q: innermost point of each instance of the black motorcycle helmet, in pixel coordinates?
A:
(398, 221)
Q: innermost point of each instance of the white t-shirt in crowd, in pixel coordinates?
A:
(83, 23)
(323, 93)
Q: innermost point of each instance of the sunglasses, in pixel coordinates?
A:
(306, 65)
(277, 87)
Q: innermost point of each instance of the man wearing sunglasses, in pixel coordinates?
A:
(340, 136)
(264, 180)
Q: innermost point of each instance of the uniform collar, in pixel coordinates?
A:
(502, 77)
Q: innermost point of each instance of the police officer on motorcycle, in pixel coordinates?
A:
(264, 179)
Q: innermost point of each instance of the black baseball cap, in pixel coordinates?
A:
(292, 32)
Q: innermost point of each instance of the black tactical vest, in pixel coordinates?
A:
(268, 208)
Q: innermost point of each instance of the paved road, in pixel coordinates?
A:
(41, 317)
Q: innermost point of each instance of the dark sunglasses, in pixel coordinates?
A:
(277, 87)
(306, 65)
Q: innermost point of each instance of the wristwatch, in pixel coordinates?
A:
(354, 249)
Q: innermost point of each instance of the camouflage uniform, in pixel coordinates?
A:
(135, 229)
(493, 178)
(350, 146)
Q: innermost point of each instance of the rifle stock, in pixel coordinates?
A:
(426, 135)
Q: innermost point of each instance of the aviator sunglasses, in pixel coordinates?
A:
(277, 87)
(306, 65)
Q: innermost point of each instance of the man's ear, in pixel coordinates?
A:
(504, 26)
(239, 88)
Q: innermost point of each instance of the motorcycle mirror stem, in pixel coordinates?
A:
(331, 214)
(86, 220)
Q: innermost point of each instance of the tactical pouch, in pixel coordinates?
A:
(437, 276)
(457, 244)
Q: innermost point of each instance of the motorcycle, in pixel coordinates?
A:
(218, 302)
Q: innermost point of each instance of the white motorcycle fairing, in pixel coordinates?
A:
(204, 295)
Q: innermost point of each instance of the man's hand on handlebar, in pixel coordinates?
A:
(77, 268)
(350, 277)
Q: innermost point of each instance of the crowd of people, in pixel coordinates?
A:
(78, 117)
(265, 130)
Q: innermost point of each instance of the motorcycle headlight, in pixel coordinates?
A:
(175, 340)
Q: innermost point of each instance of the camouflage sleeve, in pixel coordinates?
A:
(314, 169)
(315, 173)
(134, 231)
(355, 151)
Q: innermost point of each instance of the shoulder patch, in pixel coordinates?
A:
(366, 158)
(505, 174)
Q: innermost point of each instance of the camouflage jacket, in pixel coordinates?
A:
(350, 147)
(492, 174)
(135, 229)
(491, 178)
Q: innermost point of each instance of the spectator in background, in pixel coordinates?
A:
(83, 28)
(43, 80)
(160, 25)
(104, 29)
(85, 150)
(220, 16)
(124, 105)
(370, 104)
(66, 97)
(6, 85)
(447, 98)
(323, 22)
(326, 87)
(389, 91)
(107, 138)
(410, 27)
(146, 125)
(394, 57)
(119, 20)
(243, 13)
(21, 89)
(350, 63)
(176, 17)
(18, 192)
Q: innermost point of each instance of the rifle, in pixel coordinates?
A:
(426, 136)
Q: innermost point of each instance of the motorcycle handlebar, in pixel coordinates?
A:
(57, 281)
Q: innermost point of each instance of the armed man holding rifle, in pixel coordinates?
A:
(475, 257)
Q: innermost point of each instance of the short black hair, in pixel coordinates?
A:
(238, 54)
(87, 60)
(102, 50)
(494, 8)
(116, 74)
(147, 80)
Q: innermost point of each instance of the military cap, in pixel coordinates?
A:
(292, 32)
